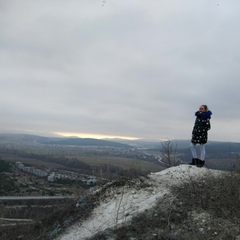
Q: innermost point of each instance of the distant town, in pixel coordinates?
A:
(57, 174)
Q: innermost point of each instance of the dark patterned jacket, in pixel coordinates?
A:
(201, 127)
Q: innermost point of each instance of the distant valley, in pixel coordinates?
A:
(115, 152)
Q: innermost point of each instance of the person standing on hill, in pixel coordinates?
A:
(200, 134)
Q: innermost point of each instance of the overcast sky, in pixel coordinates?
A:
(130, 68)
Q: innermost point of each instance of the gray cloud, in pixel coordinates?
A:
(122, 69)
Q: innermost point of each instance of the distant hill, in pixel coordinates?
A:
(215, 148)
(229, 147)
(24, 138)
(27, 139)
(89, 142)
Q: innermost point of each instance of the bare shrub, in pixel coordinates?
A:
(168, 152)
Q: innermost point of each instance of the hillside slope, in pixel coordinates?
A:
(27, 139)
(119, 205)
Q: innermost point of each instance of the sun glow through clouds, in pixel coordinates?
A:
(90, 135)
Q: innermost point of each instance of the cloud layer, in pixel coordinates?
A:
(119, 68)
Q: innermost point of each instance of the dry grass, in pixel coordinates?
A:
(92, 160)
(203, 209)
(121, 162)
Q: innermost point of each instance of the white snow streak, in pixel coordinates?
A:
(124, 202)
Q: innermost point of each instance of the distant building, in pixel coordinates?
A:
(91, 180)
(40, 173)
(20, 165)
(32, 170)
(51, 177)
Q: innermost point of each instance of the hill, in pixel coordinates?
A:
(27, 139)
(89, 142)
(182, 145)
(121, 207)
(24, 139)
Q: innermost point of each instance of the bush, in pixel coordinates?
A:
(4, 166)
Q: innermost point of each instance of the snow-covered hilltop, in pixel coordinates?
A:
(120, 204)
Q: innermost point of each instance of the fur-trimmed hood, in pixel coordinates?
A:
(203, 115)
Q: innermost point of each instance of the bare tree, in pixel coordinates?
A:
(168, 152)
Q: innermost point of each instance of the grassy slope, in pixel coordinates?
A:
(93, 160)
